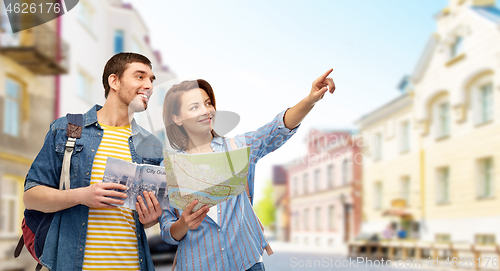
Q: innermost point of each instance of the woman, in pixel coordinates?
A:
(232, 238)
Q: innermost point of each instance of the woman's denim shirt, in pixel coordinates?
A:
(65, 244)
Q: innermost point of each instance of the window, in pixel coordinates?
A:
(443, 185)
(304, 181)
(297, 220)
(377, 203)
(9, 204)
(405, 136)
(377, 147)
(442, 117)
(443, 238)
(119, 41)
(12, 110)
(405, 189)
(346, 174)
(330, 173)
(331, 217)
(317, 179)
(86, 14)
(484, 104)
(306, 219)
(331, 242)
(456, 47)
(295, 186)
(485, 182)
(485, 239)
(317, 218)
(135, 47)
(84, 88)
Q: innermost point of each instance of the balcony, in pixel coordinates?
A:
(37, 49)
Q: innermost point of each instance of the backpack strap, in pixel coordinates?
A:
(19, 247)
(74, 131)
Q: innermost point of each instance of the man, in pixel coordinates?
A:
(87, 233)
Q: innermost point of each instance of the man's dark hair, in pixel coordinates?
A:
(118, 64)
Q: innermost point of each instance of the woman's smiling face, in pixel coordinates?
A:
(196, 112)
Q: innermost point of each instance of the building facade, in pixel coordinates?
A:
(323, 192)
(96, 30)
(431, 173)
(29, 62)
(49, 71)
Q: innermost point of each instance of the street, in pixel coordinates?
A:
(291, 257)
(286, 261)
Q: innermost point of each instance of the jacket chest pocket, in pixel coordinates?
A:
(75, 157)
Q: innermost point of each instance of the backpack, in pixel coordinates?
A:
(36, 224)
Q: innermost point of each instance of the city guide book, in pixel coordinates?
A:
(137, 178)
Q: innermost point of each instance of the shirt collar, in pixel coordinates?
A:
(91, 118)
(218, 140)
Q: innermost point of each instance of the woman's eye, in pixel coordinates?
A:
(194, 107)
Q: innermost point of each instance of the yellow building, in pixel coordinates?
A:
(433, 168)
(28, 62)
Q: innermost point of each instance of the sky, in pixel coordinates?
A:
(261, 57)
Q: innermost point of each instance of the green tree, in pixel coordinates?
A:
(265, 208)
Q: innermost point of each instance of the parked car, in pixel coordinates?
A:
(161, 250)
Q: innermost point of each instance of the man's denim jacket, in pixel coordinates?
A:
(65, 244)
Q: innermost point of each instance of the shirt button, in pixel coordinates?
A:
(218, 212)
(141, 260)
(83, 224)
(218, 229)
(92, 150)
(139, 235)
(98, 133)
(222, 249)
(81, 249)
(88, 173)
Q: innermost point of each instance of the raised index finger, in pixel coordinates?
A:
(323, 76)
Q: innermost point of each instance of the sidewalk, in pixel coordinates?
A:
(280, 246)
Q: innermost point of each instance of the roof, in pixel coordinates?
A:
(279, 175)
(491, 13)
(398, 103)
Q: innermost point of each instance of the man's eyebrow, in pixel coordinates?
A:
(152, 78)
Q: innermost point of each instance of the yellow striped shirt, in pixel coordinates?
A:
(111, 235)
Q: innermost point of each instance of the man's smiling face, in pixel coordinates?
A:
(135, 87)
